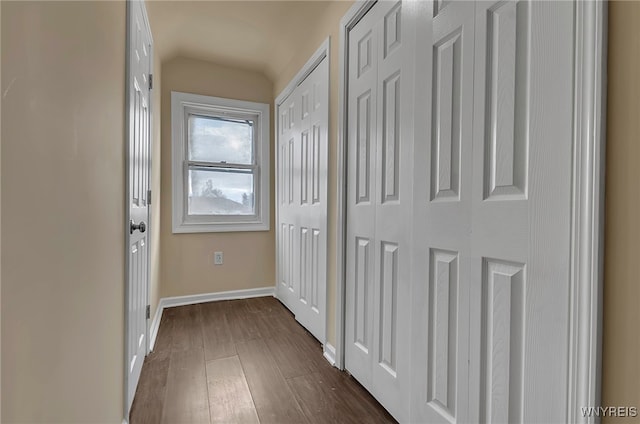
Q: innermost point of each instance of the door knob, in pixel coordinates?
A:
(133, 226)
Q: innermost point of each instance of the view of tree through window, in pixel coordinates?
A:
(221, 166)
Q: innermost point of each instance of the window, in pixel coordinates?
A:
(220, 164)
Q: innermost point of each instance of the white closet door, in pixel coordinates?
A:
(288, 139)
(361, 191)
(379, 206)
(491, 265)
(442, 218)
(523, 116)
(302, 187)
(312, 210)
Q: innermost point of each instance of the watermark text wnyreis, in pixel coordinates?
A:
(610, 411)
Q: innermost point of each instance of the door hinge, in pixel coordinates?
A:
(149, 197)
(148, 311)
(150, 81)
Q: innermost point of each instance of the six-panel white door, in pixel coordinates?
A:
(379, 200)
(138, 173)
(491, 222)
(442, 219)
(302, 200)
(521, 208)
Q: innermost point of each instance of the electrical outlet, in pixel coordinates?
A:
(218, 258)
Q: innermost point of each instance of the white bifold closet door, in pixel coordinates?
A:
(379, 199)
(302, 200)
(494, 91)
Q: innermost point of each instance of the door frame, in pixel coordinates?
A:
(127, 213)
(322, 52)
(587, 200)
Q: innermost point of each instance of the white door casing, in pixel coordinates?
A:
(302, 161)
(139, 64)
(379, 199)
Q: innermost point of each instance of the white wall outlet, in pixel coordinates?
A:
(218, 258)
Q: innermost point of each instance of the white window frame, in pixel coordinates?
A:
(185, 104)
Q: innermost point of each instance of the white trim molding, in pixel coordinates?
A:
(587, 232)
(329, 353)
(155, 326)
(348, 21)
(184, 105)
(170, 302)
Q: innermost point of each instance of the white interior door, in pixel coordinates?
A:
(379, 199)
(492, 221)
(442, 219)
(138, 173)
(302, 200)
(521, 208)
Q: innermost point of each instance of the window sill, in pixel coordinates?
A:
(226, 227)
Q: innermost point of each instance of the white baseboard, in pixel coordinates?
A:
(170, 302)
(155, 326)
(330, 354)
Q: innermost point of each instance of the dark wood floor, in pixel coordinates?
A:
(244, 361)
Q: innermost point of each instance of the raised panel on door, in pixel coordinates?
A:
(521, 211)
(442, 211)
(502, 345)
(442, 373)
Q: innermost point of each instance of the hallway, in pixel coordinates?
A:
(244, 361)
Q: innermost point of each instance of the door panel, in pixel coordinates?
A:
(361, 197)
(491, 224)
(379, 198)
(521, 211)
(442, 211)
(302, 213)
(138, 185)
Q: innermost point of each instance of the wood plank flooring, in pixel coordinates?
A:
(244, 361)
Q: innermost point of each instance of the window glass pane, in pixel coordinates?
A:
(220, 192)
(218, 140)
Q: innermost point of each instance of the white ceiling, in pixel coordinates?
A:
(254, 35)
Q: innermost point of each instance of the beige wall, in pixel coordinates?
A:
(621, 350)
(187, 259)
(63, 191)
(326, 25)
(63, 79)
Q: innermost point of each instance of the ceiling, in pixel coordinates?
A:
(254, 35)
